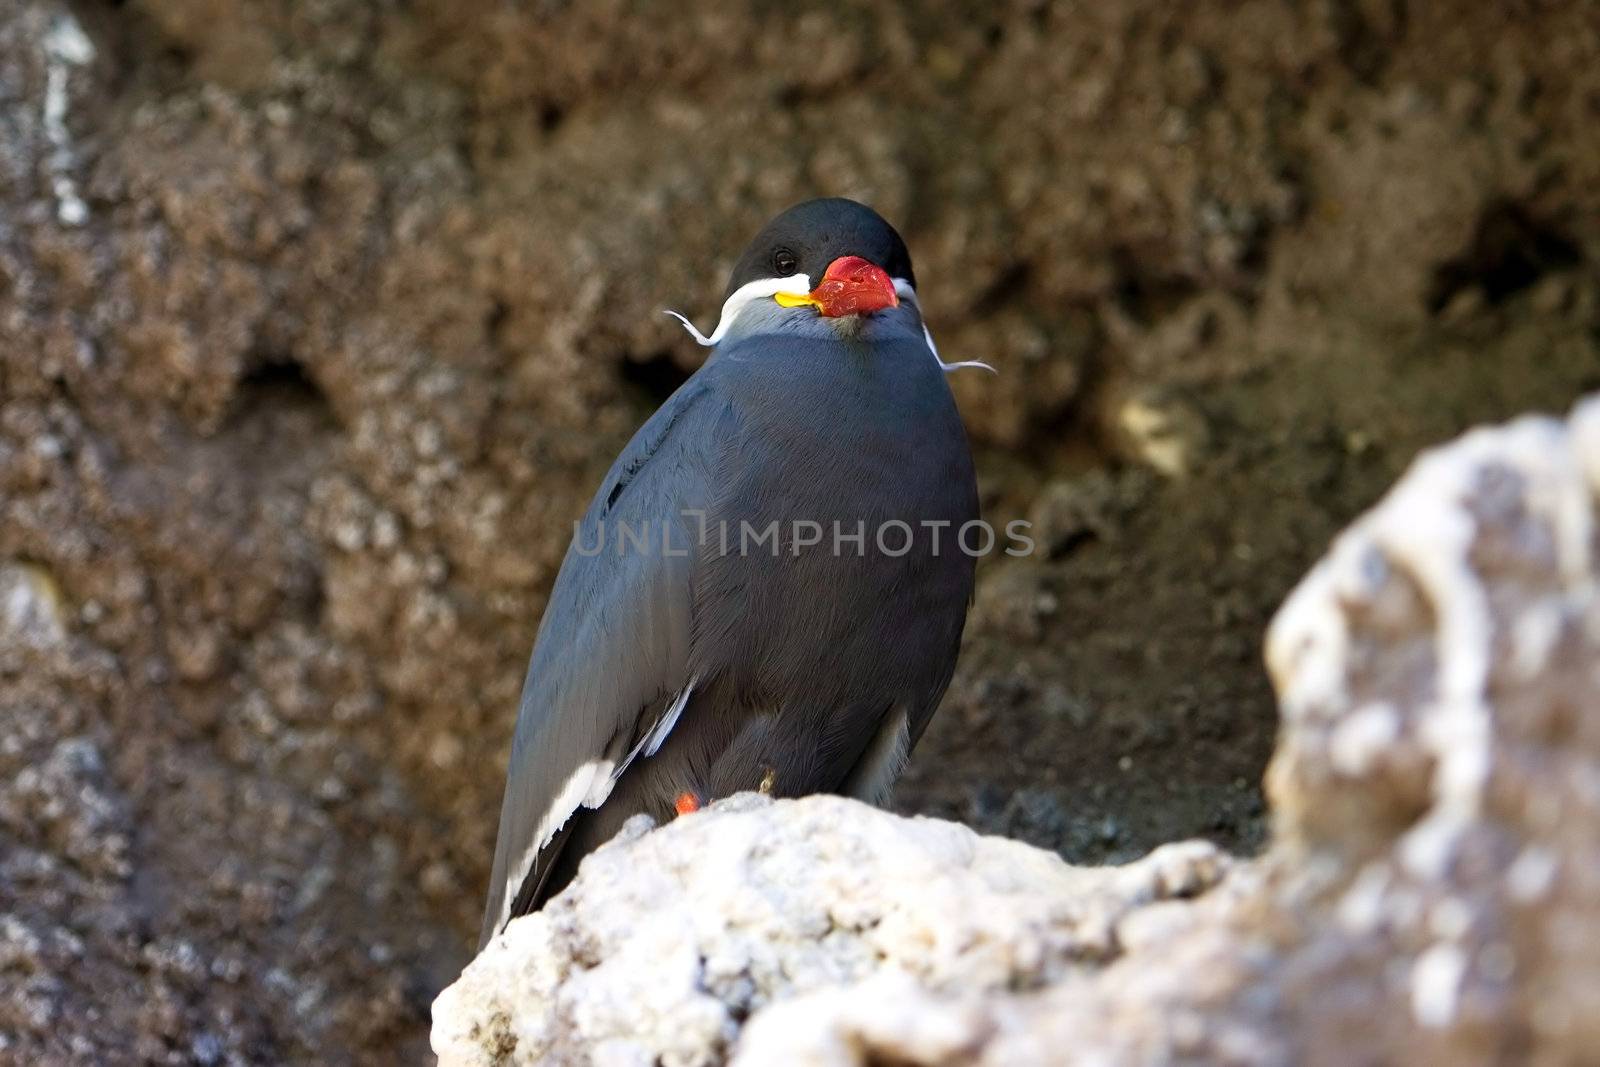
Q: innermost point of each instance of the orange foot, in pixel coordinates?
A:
(687, 803)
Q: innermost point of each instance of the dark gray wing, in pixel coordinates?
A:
(609, 667)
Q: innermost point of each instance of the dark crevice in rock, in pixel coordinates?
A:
(1510, 252)
(281, 382)
(1148, 295)
(656, 375)
(1365, 48)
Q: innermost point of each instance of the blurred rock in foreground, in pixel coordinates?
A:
(1431, 894)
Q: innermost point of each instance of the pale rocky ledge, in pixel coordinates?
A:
(1431, 893)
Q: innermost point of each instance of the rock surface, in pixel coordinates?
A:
(320, 320)
(672, 938)
(1429, 895)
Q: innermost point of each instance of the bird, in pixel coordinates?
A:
(757, 597)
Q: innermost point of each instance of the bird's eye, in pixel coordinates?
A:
(784, 262)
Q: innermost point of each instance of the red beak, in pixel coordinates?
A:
(853, 286)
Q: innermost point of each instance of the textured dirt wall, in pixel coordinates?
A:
(319, 320)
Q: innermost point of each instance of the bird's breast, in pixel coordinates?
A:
(832, 548)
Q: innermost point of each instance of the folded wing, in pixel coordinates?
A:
(608, 676)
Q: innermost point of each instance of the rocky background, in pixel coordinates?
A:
(319, 320)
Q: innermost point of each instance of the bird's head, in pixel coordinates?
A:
(834, 255)
(832, 259)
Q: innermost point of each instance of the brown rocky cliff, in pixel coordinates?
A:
(319, 321)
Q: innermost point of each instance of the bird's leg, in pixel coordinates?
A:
(688, 803)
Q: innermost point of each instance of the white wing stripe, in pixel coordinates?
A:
(589, 785)
(668, 721)
(578, 789)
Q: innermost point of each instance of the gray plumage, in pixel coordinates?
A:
(815, 669)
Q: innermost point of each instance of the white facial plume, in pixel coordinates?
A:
(800, 285)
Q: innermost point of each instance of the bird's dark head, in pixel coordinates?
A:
(835, 255)
(830, 261)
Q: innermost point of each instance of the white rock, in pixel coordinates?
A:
(667, 940)
(30, 605)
